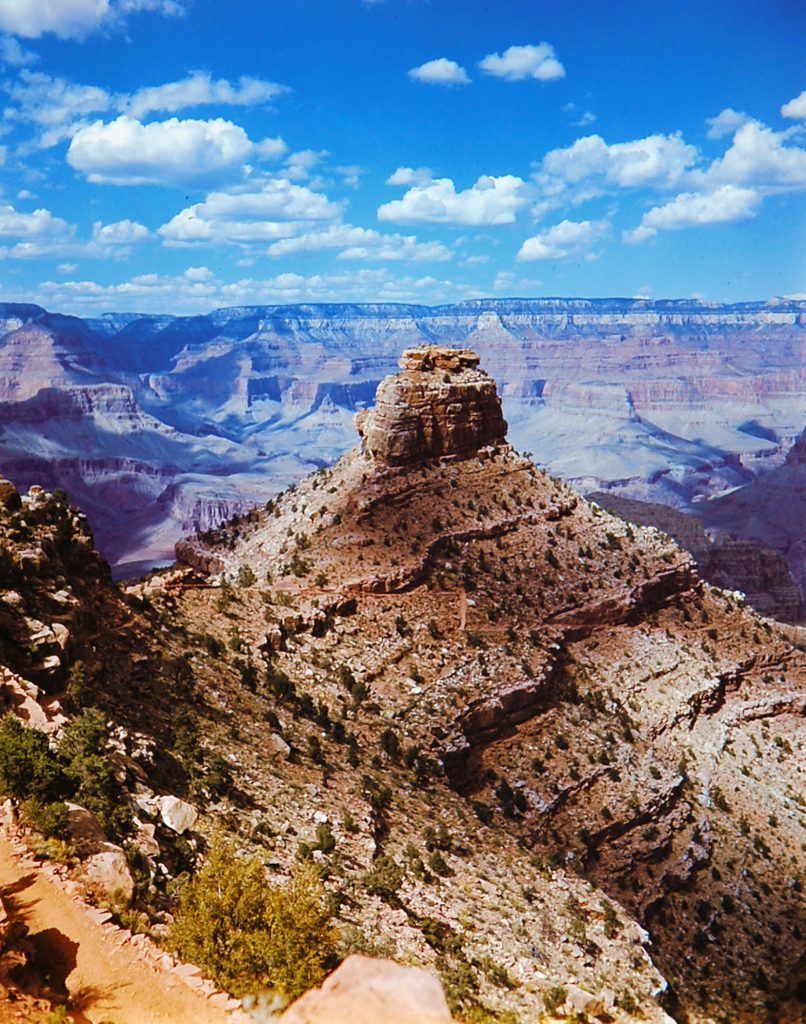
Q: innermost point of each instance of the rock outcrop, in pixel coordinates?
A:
(441, 405)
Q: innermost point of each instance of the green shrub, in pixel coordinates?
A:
(78, 683)
(390, 743)
(94, 784)
(28, 767)
(553, 999)
(249, 935)
(48, 818)
(246, 577)
(384, 879)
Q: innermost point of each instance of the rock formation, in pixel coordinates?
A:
(520, 741)
(571, 682)
(441, 405)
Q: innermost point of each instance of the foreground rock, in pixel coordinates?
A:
(367, 991)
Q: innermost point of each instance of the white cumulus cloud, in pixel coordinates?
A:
(795, 108)
(726, 122)
(122, 232)
(41, 224)
(566, 239)
(68, 19)
(657, 160)
(489, 201)
(726, 204)
(519, 62)
(264, 212)
(758, 157)
(58, 108)
(198, 89)
(73, 19)
(440, 72)
(127, 152)
(411, 176)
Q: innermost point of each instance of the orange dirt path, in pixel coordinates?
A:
(107, 981)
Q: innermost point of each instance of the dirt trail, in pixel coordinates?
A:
(105, 978)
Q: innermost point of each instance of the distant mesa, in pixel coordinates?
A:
(441, 405)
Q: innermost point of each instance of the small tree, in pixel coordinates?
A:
(249, 935)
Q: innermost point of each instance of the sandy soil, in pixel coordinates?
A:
(108, 983)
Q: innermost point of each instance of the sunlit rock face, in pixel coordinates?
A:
(441, 404)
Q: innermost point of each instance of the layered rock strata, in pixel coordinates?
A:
(441, 405)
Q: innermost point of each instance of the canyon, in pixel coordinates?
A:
(160, 425)
(522, 743)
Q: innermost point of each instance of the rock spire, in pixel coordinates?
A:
(440, 405)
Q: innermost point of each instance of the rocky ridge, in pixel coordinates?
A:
(526, 747)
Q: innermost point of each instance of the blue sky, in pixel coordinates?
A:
(178, 155)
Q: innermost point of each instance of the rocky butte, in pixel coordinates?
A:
(441, 405)
(523, 744)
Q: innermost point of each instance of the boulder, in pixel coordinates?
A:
(108, 870)
(365, 991)
(177, 814)
(84, 828)
(278, 746)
